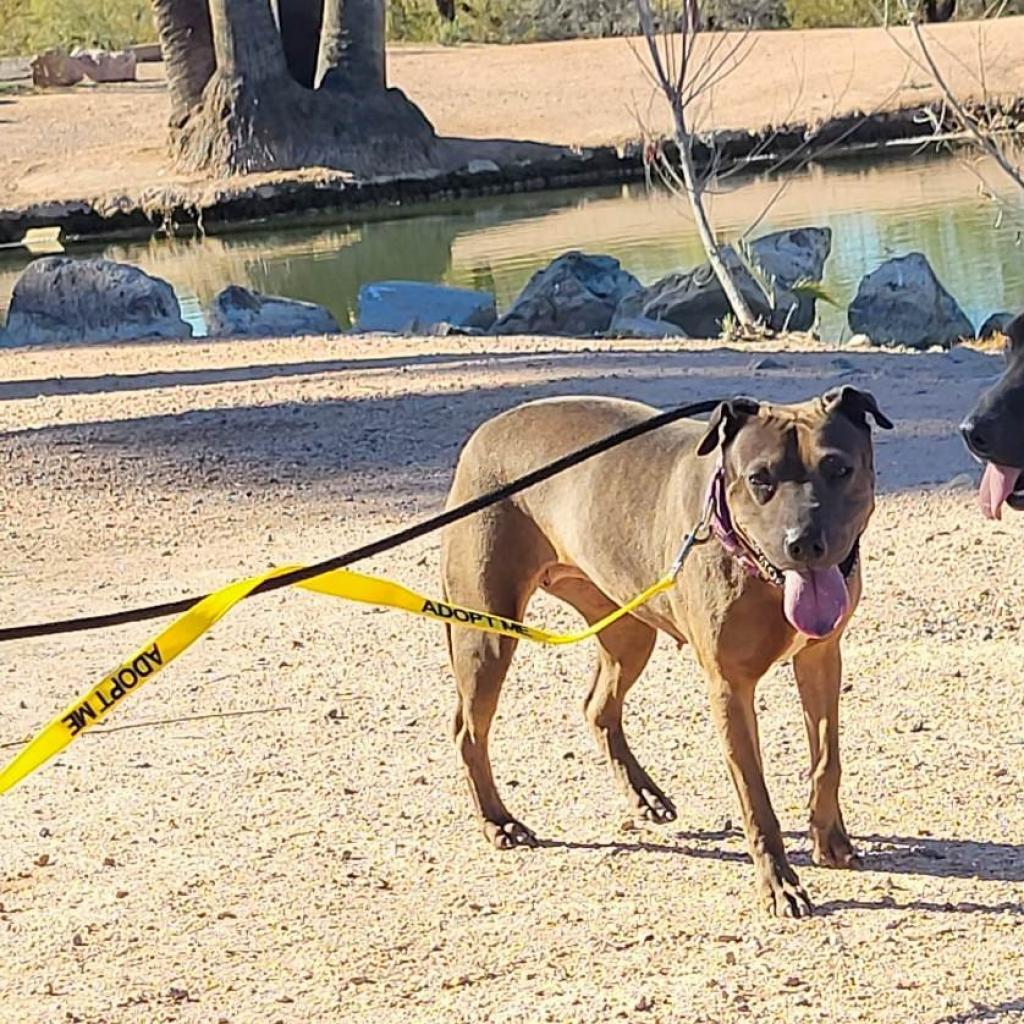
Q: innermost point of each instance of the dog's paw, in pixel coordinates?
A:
(831, 848)
(506, 835)
(781, 893)
(655, 806)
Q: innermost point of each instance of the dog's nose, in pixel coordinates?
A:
(804, 547)
(974, 437)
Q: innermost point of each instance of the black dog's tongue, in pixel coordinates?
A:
(815, 600)
(997, 484)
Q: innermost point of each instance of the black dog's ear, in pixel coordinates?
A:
(725, 422)
(855, 404)
(1015, 332)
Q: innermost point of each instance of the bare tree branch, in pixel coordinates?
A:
(680, 90)
(973, 126)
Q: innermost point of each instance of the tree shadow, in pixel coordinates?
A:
(455, 152)
(413, 436)
(110, 383)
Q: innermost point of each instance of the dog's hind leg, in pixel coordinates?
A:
(623, 651)
(480, 662)
(491, 563)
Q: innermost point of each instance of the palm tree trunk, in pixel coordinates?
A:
(246, 40)
(352, 46)
(300, 22)
(254, 116)
(247, 119)
(187, 44)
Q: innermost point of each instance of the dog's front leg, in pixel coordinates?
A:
(819, 670)
(732, 705)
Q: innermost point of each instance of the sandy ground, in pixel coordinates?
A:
(277, 830)
(91, 141)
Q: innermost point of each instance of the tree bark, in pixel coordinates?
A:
(673, 86)
(352, 58)
(186, 41)
(255, 117)
(248, 118)
(737, 301)
(939, 10)
(246, 40)
(300, 22)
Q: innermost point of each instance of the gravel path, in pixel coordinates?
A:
(309, 854)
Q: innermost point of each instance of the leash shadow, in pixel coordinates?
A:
(1005, 908)
(687, 845)
(984, 1012)
(890, 855)
(980, 860)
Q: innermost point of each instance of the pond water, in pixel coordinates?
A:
(935, 204)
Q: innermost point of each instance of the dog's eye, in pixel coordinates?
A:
(835, 469)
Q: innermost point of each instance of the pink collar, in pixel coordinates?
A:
(754, 561)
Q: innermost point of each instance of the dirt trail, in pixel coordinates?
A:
(90, 141)
(315, 858)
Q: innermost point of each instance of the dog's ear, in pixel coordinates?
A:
(1015, 332)
(725, 423)
(856, 405)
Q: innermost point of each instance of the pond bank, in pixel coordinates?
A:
(875, 207)
(317, 195)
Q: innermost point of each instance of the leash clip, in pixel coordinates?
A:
(698, 535)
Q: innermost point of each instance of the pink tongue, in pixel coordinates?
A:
(997, 484)
(815, 601)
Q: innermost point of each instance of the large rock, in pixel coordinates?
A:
(414, 307)
(59, 299)
(238, 312)
(696, 302)
(903, 303)
(575, 295)
(54, 69)
(107, 65)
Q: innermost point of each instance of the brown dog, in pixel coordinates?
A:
(787, 492)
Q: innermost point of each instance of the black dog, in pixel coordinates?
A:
(994, 431)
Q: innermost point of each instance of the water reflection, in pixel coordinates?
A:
(876, 210)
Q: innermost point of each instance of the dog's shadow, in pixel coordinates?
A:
(890, 855)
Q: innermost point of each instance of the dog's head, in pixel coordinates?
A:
(800, 484)
(994, 430)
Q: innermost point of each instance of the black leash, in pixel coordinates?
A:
(376, 547)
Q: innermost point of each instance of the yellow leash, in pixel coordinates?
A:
(91, 708)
